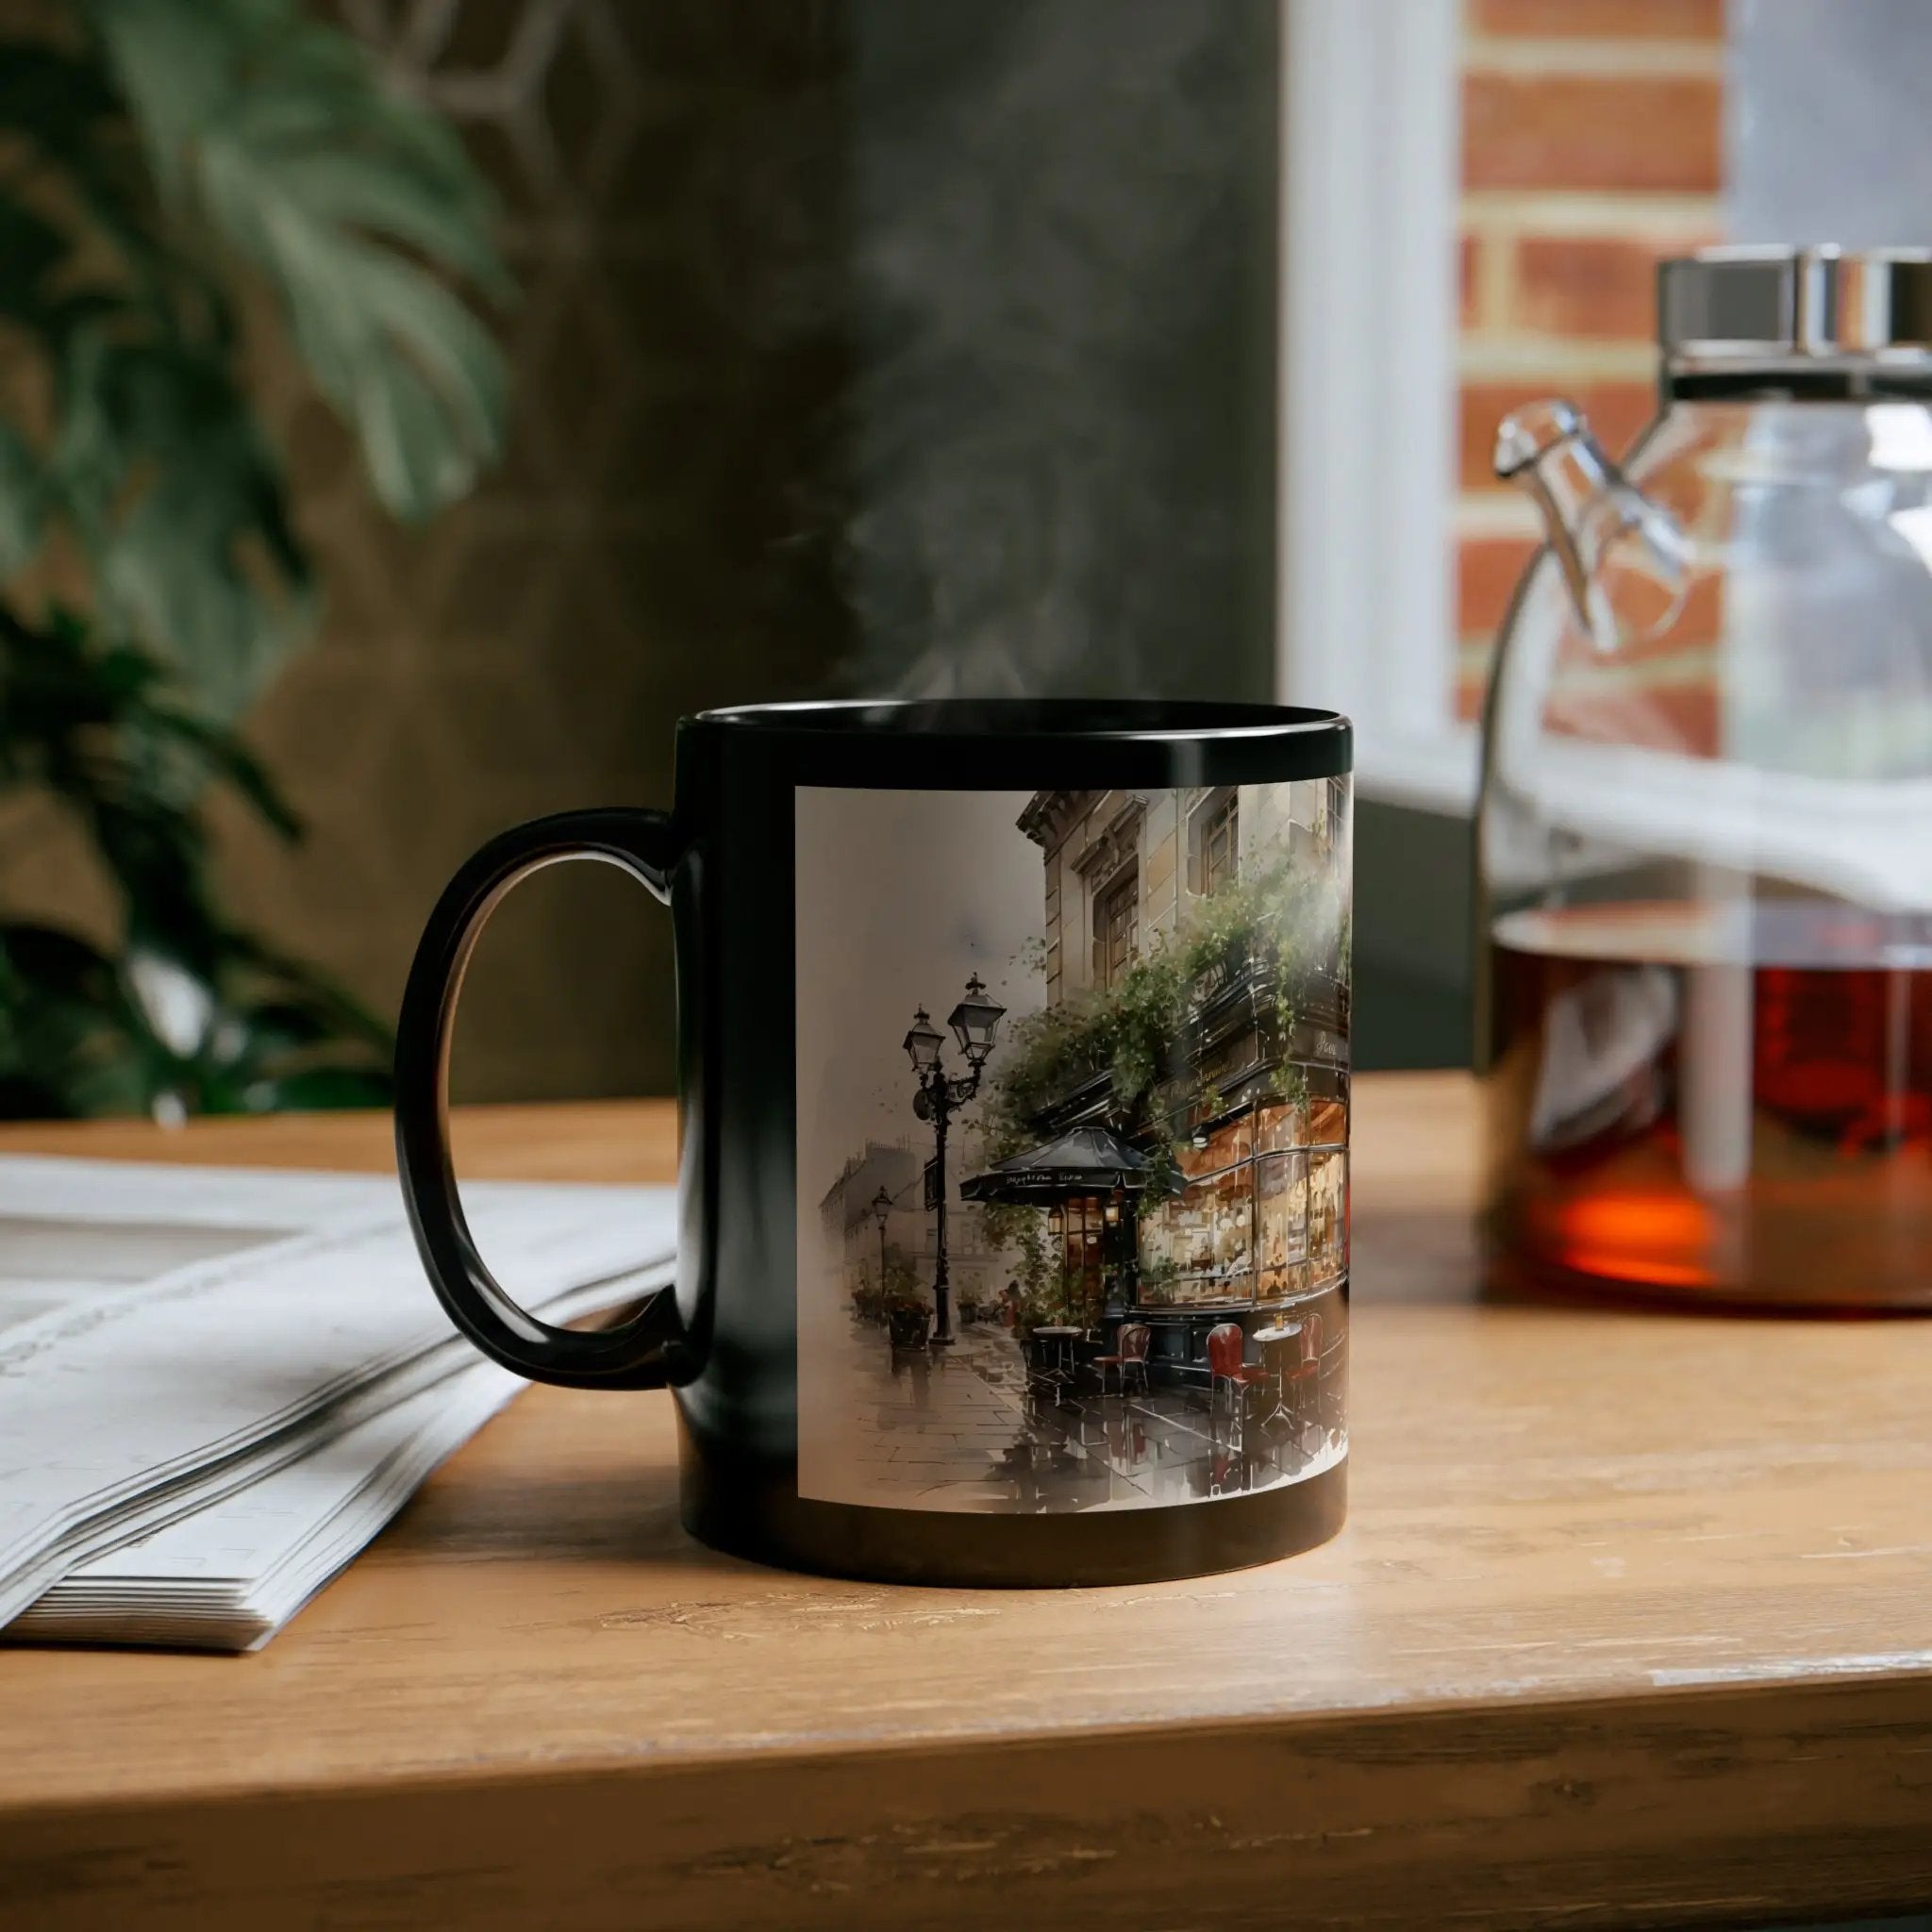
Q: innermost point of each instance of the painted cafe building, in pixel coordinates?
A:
(1246, 1207)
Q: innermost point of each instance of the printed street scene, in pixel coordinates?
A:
(1073, 1144)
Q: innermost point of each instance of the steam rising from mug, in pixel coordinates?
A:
(1060, 427)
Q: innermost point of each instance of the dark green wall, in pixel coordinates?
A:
(1412, 873)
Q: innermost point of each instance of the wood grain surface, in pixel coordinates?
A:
(1630, 1625)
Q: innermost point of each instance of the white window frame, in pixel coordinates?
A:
(1366, 439)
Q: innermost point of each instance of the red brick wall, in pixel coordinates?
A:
(1591, 147)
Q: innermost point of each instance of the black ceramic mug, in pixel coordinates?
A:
(1013, 1071)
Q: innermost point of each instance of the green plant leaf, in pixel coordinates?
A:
(31, 249)
(332, 1005)
(195, 554)
(431, 410)
(23, 501)
(52, 96)
(278, 135)
(226, 756)
(103, 731)
(69, 1043)
(81, 170)
(316, 1087)
(50, 960)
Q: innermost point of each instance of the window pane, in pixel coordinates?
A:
(1327, 1214)
(1228, 1143)
(1116, 926)
(1220, 844)
(1282, 1196)
(1205, 1235)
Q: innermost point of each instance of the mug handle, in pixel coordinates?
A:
(632, 1355)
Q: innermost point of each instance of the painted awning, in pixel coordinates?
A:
(1084, 1160)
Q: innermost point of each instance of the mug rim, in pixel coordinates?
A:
(1038, 721)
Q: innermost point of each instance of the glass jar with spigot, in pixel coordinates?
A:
(1706, 825)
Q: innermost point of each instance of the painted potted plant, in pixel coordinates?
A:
(868, 1299)
(1158, 1279)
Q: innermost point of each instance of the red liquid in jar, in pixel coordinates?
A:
(1726, 1103)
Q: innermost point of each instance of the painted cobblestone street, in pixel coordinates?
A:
(965, 1428)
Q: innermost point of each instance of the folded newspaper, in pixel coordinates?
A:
(216, 1384)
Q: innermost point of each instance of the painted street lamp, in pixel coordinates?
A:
(1055, 1228)
(974, 1021)
(975, 1024)
(923, 1041)
(881, 1208)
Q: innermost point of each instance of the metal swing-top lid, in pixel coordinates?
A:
(1730, 309)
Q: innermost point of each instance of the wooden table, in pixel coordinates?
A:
(1632, 1622)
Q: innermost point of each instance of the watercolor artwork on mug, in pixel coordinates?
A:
(1073, 1144)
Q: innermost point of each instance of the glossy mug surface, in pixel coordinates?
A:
(1014, 1096)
